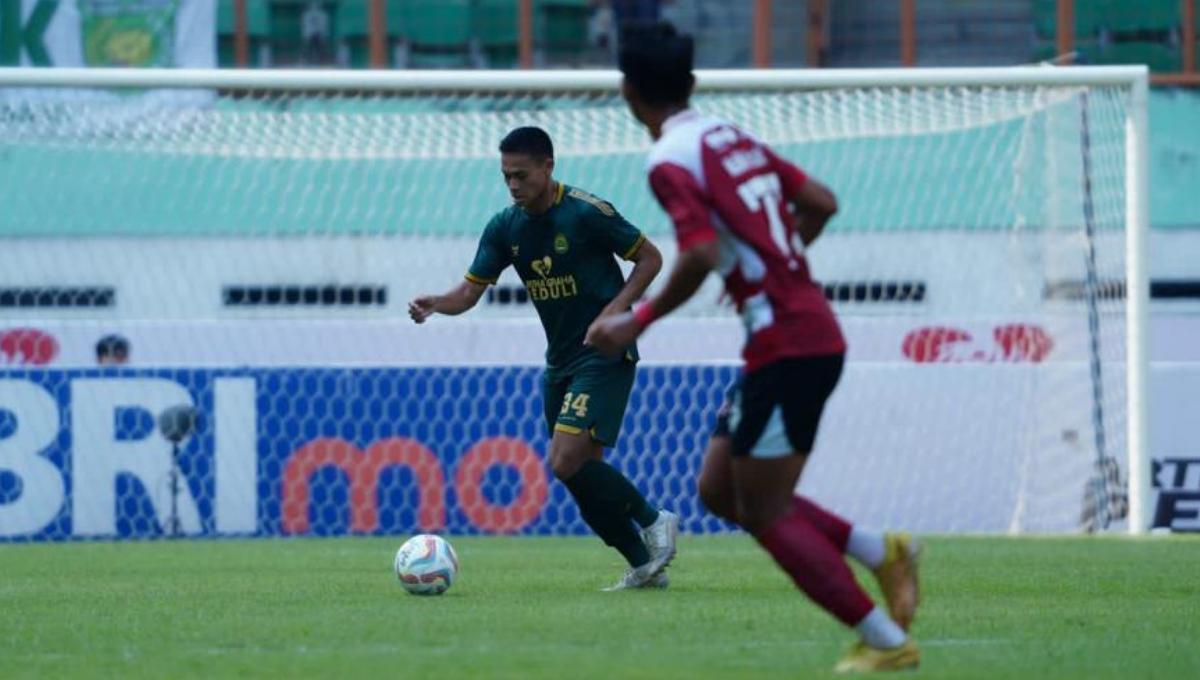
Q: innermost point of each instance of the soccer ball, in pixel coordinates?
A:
(426, 565)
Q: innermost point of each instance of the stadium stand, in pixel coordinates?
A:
(258, 31)
(1116, 32)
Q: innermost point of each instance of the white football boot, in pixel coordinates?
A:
(660, 539)
(635, 578)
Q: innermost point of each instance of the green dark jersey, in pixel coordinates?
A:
(565, 258)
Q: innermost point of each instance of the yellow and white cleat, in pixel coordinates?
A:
(898, 578)
(864, 659)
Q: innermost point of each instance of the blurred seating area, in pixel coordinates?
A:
(729, 34)
(945, 32)
(1119, 32)
(417, 33)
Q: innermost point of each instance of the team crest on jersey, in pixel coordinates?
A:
(516, 250)
(542, 266)
(560, 244)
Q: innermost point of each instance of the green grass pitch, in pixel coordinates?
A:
(530, 607)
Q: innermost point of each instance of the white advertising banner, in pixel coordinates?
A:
(133, 33)
(476, 339)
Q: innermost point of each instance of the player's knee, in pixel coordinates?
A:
(709, 495)
(753, 520)
(755, 512)
(564, 467)
(716, 497)
(567, 455)
(757, 517)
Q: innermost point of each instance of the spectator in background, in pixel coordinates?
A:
(314, 30)
(600, 26)
(635, 13)
(612, 18)
(112, 350)
(721, 27)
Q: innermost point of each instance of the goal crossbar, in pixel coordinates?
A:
(567, 81)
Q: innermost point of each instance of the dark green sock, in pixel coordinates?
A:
(605, 503)
(634, 504)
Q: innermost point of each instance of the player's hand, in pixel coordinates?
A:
(421, 308)
(612, 334)
(610, 310)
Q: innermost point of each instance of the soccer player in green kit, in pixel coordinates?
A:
(561, 240)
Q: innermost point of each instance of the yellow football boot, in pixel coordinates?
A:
(864, 659)
(897, 576)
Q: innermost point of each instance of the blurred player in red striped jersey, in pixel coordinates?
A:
(745, 212)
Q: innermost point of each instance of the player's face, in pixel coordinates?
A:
(526, 177)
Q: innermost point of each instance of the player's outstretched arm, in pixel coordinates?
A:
(815, 205)
(454, 301)
(612, 334)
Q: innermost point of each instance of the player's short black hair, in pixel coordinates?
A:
(657, 63)
(529, 140)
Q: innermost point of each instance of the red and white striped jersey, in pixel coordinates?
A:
(719, 183)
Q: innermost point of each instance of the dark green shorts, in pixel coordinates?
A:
(592, 400)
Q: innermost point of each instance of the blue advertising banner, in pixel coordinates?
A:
(324, 451)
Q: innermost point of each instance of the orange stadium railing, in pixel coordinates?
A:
(816, 35)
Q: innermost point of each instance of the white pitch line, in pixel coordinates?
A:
(961, 642)
(129, 654)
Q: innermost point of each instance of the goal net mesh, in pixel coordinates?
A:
(255, 251)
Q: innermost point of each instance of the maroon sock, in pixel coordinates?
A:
(836, 529)
(816, 567)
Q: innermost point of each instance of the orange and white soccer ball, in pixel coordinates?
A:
(426, 565)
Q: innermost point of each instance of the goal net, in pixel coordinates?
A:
(244, 244)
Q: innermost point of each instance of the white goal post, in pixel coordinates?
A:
(1029, 194)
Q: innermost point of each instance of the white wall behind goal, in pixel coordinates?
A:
(183, 278)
